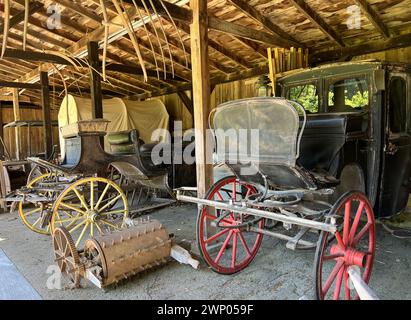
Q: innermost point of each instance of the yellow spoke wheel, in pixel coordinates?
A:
(88, 207)
(31, 214)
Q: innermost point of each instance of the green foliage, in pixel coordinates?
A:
(358, 100)
(353, 96)
(307, 96)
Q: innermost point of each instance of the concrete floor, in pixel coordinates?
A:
(276, 273)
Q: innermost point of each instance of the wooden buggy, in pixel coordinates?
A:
(270, 194)
(89, 192)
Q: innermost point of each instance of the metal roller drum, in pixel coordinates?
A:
(123, 254)
(110, 258)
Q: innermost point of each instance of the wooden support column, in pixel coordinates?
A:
(95, 81)
(45, 102)
(2, 151)
(186, 101)
(17, 131)
(201, 93)
(95, 84)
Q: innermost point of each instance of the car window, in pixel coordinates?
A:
(306, 95)
(348, 95)
(398, 105)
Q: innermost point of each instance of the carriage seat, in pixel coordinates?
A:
(146, 149)
(128, 143)
(320, 151)
(325, 136)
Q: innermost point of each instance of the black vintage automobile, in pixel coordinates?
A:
(333, 153)
(358, 127)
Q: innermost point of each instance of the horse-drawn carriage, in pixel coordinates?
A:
(89, 192)
(321, 169)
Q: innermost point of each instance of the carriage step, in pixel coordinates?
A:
(25, 198)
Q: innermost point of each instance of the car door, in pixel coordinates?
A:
(397, 149)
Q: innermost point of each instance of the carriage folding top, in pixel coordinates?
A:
(277, 125)
(265, 134)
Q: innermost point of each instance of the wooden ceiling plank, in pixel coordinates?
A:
(19, 17)
(266, 22)
(79, 9)
(80, 46)
(218, 47)
(374, 18)
(316, 19)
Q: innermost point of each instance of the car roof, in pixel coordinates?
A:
(340, 68)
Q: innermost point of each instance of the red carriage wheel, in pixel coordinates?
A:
(353, 245)
(225, 248)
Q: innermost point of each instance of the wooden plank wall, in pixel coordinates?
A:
(37, 135)
(222, 93)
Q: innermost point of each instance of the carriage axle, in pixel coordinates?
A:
(243, 209)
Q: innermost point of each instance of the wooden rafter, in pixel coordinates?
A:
(374, 18)
(218, 47)
(185, 15)
(243, 74)
(268, 25)
(315, 18)
(247, 33)
(80, 46)
(19, 17)
(79, 9)
(366, 48)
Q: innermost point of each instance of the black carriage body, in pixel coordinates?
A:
(84, 155)
(358, 117)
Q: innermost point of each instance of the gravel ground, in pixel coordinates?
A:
(276, 273)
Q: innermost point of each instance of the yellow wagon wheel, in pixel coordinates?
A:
(32, 214)
(85, 208)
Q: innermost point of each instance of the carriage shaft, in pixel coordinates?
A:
(328, 227)
(281, 236)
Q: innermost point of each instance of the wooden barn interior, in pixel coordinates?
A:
(217, 47)
(193, 55)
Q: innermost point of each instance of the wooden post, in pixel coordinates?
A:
(16, 113)
(95, 84)
(201, 93)
(45, 102)
(2, 151)
(95, 81)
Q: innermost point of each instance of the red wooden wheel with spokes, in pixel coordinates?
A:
(225, 248)
(352, 245)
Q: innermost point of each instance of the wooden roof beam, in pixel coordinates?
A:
(69, 25)
(19, 17)
(217, 47)
(19, 85)
(10, 98)
(240, 75)
(374, 18)
(249, 33)
(253, 13)
(315, 18)
(75, 7)
(124, 45)
(366, 48)
(37, 23)
(80, 46)
(186, 16)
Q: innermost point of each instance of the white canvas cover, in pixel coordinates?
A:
(145, 116)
